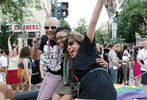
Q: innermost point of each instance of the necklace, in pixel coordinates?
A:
(56, 54)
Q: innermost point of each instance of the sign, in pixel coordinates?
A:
(137, 35)
(26, 27)
(114, 26)
(113, 33)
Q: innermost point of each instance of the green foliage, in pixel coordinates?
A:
(64, 23)
(132, 18)
(101, 36)
(82, 27)
(16, 10)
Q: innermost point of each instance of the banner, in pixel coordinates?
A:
(137, 35)
(110, 6)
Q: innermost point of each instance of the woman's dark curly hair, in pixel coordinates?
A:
(25, 52)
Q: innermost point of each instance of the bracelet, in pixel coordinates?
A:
(35, 45)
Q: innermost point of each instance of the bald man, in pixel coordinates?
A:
(52, 58)
(142, 61)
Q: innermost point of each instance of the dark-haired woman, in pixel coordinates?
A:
(11, 77)
(136, 67)
(25, 65)
(95, 82)
(63, 90)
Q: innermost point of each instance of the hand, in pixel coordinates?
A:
(102, 62)
(37, 40)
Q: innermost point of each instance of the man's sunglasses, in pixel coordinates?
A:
(52, 27)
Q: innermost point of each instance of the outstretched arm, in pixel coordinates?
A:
(94, 19)
(35, 52)
(9, 46)
(19, 44)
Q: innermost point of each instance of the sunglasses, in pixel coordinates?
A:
(52, 27)
(65, 29)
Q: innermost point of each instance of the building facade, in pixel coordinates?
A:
(33, 24)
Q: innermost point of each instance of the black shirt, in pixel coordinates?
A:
(85, 60)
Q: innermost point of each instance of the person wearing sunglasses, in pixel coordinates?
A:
(94, 81)
(63, 90)
(53, 58)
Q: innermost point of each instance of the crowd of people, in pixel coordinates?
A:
(69, 65)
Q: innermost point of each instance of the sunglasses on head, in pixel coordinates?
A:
(61, 37)
(65, 29)
(52, 27)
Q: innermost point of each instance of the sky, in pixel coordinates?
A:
(83, 9)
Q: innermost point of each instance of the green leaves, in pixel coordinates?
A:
(64, 23)
(132, 18)
(15, 10)
(82, 26)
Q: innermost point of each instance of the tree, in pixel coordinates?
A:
(132, 18)
(64, 23)
(101, 36)
(14, 11)
(82, 27)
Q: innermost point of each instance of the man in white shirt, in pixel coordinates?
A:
(3, 65)
(142, 61)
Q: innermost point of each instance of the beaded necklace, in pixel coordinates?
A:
(66, 67)
(56, 54)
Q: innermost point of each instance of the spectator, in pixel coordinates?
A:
(119, 71)
(11, 77)
(142, 61)
(136, 67)
(125, 66)
(113, 63)
(3, 64)
(25, 65)
(126, 50)
(35, 78)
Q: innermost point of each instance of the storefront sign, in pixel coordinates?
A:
(26, 27)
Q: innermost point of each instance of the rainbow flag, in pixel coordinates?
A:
(125, 92)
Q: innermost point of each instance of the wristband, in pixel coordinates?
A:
(35, 45)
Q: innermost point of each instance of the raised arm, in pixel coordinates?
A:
(94, 19)
(35, 52)
(19, 44)
(9, 46)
